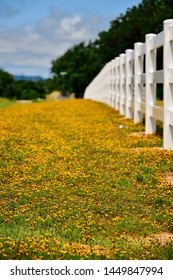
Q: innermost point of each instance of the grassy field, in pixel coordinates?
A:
(78, 181)
(4, 102)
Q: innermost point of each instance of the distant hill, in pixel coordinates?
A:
(27, 78)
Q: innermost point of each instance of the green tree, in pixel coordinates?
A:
(132, 27)
(30, 90)
(7, 85)
(81, 63)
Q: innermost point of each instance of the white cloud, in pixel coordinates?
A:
(32, 48)
(68, 24)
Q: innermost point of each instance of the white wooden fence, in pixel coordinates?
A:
(128, 83)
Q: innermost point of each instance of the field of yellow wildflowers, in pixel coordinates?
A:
(76, 182)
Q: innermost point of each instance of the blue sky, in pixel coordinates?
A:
(33, 33)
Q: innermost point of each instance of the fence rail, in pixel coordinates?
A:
(128, 83)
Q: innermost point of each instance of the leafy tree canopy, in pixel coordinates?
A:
(82, 62)
(10, 88)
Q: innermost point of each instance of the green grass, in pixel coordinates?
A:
(74, 185)
(4, 102)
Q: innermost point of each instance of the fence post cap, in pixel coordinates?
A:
(168, 21)
(139, 43)
(150, 35)
(122, 54)
(129, 51)
(138, 46)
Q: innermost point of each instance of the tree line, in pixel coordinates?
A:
(22, 89)
(83, 61)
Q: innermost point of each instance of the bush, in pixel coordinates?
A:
(29, 94)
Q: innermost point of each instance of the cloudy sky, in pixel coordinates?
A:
(33, 33)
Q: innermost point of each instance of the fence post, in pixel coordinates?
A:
(106, 88)
(129, 83)
(113, 82)
(122, 83)
(150, 62)
(168, 86)
(109, 83)
(117, 84)
(138, 116)
(104, 84)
